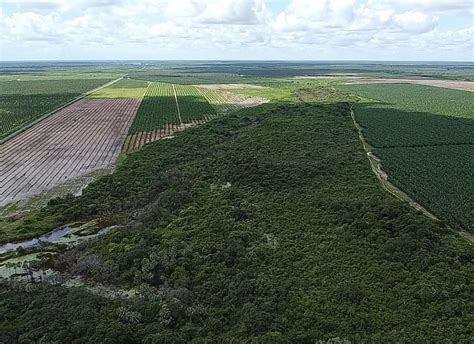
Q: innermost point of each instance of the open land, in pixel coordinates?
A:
(355, 80)
(85, 136)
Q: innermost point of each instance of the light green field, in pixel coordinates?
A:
(125, 88)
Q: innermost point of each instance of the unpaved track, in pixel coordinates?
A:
(77, 140)
(375, 164)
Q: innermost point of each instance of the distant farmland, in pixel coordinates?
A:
(167, 108)
(83, 137)
(425, 138)
(90, 134)
(26, 98)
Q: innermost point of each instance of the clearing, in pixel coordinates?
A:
(81, 138)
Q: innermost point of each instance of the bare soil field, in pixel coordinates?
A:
(83, 137)
(452, 84)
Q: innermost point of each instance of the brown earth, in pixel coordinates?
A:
(81, 138)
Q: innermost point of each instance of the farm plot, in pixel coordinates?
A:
(192, 105)
(425, 138)
(158, 109)
(441, 178)
(124, 88)
(157, 117)
(83, 137)
(226, 102)
(168, 108)
(23, 101)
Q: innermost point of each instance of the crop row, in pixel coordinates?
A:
(161, 107)
(413, 115)
(192, 105)
(76, 140)
(158, 108)
(440, 178)
(424, 136)
(223, 102)
(24, 101)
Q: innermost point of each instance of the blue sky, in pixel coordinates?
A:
(436, 30)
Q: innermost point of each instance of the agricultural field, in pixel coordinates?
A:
(168, 108)
(192, 105)
(181, 76)
(248, 71)
(124, 88)
(83, 137)
(158, 108)
(440, 177)
(24, 98)
(225, 99)
(425, 137)
(265, 224)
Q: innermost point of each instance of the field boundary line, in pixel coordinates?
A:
(382, 176)
(128, 136)
(52, 112)
(177, 105)
(375, 164)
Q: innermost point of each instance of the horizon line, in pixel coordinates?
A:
(235, 60)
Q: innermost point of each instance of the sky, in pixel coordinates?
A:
(394, 30)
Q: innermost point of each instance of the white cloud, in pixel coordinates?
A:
(415, 21)
(233, 25)
(231, 12)
(434, 5)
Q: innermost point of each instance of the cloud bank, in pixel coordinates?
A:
(250, 29)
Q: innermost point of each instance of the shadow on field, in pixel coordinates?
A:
(386, 127)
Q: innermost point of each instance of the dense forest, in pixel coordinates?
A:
(264, 226)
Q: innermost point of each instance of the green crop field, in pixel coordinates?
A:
(192, 104)
(413, 115)
(24, 99)
(426, 99)
(440, 177)
(182, 76)
(157, 109)
(425, 136)
(124, 88)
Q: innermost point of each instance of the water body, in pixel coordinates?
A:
(18, 268)
(50, 238)
(64, 235)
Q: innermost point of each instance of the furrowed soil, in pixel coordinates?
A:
(83, 137)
